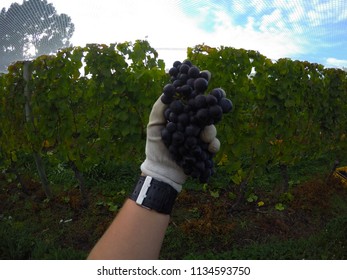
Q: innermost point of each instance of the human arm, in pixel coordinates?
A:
(137, 232)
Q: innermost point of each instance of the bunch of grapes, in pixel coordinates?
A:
(189, 112)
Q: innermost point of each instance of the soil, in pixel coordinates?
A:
(197, 215)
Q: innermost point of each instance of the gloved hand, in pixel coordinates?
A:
(158, 163)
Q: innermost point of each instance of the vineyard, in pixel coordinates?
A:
(82, 114)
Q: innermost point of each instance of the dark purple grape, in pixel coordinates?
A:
(173, 117)
(188, 62)
(209, 163)
(184, 68)
(193, 94)
(216, 92)
(189, 160)
(182, 151)
(188, 109)
(197, 151)
(190, 142)
(191, 103)
(177, 63)
(177, 106)
(226, 105)
(183, 78)
(166, 136)
(200, 165)
(166, 99)
(177, 83)
(171, 127)
(183, 118)
(203, 156)
(203, 145)
(187, 170)
(173, 71)
(204, 75)
(203, 116)
(194, 72)
(169, 90)
(173, 149)
(192, 130)
(211, 100)
(200, 101)
(200, 84)
(180, 126)
(167, 113)
(186, 90)
(194, 120)
(177, 138)
(190, 82)
(215, 112)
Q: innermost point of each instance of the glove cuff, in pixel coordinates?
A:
(164, 173)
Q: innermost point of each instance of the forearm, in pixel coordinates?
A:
(135, 233)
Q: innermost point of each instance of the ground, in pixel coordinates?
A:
(203, 225)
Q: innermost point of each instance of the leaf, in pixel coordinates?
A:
(112, 207)
(13, 156)
(289, 103)
(260, 203)
(279, 207)
(214, 194)
(252, 197)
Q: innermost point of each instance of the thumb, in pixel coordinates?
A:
(156, 116)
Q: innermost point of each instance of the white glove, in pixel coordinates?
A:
(159, 163)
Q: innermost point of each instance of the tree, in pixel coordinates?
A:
(31, 29)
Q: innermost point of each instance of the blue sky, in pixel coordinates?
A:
(313, 30)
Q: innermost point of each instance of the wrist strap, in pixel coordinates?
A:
(155, 195)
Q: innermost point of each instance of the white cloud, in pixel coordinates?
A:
(272, 22)
(336, 63)
(266, 41)
(342, 15)
(259, 5)
(239, 7)
(297, 14)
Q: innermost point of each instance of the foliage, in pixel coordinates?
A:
(18, 243)
(91, 104)
(329, 244)
(87, 105)
(285, 111)
(312, 226)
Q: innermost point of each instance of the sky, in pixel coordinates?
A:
(312, 30)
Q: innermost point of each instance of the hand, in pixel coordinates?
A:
(158, 163)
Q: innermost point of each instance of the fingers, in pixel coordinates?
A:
(214, 146)
(208, 135)
(157, 114)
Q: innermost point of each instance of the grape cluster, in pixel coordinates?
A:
(188, 114)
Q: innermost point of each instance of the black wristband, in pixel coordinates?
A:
(155, 195)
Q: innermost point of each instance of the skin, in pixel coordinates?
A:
(119, 241)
